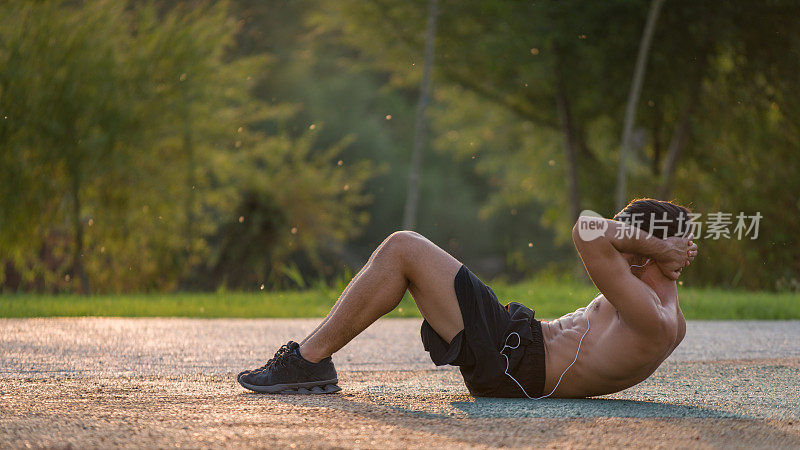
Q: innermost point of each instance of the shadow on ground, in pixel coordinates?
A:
(434, 404)
(445, 407)
(719, 390)
(594, 407)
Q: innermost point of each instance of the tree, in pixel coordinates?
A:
(620, 199)
(130, 133)
(562, 71)
(69, 125)
(410, 212)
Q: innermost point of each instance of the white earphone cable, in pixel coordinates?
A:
(519, 340)
(577, 352)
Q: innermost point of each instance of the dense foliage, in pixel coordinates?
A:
(164, 145)
(134, 156)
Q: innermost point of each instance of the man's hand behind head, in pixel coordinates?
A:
(680, 252)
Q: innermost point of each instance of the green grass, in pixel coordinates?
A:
(550, 298)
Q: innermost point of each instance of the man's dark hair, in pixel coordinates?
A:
(657, 217)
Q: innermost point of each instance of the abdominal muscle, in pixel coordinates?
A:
(612, 356)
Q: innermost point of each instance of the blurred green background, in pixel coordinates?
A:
(245, 145)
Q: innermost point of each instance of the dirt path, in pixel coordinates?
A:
(169, 382)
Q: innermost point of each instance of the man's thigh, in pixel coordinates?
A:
(431, 272)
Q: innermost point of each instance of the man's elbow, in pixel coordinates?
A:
(588, 229)
(576, 237)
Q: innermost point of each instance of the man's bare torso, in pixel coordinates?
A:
(612, 356)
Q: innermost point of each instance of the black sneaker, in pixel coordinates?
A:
(288, 373)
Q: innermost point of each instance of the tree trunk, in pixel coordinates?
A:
(412, 197)
(78, 272)
(567, 126)
(188, 147)
(633, 100)
(676, 145)
(681, 133)
(657, 141)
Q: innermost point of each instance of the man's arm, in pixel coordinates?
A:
(611, 274)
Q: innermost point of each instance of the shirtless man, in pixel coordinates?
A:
(615, 342)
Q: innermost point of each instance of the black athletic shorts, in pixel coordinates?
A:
(476, 349)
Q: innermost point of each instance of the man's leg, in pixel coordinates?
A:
(405, 260)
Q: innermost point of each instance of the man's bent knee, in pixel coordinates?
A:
(400, 243)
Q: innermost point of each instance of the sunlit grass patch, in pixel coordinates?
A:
(549, 297)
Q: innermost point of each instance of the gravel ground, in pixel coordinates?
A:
(106, 382)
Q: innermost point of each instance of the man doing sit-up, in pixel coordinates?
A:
(615, 342)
